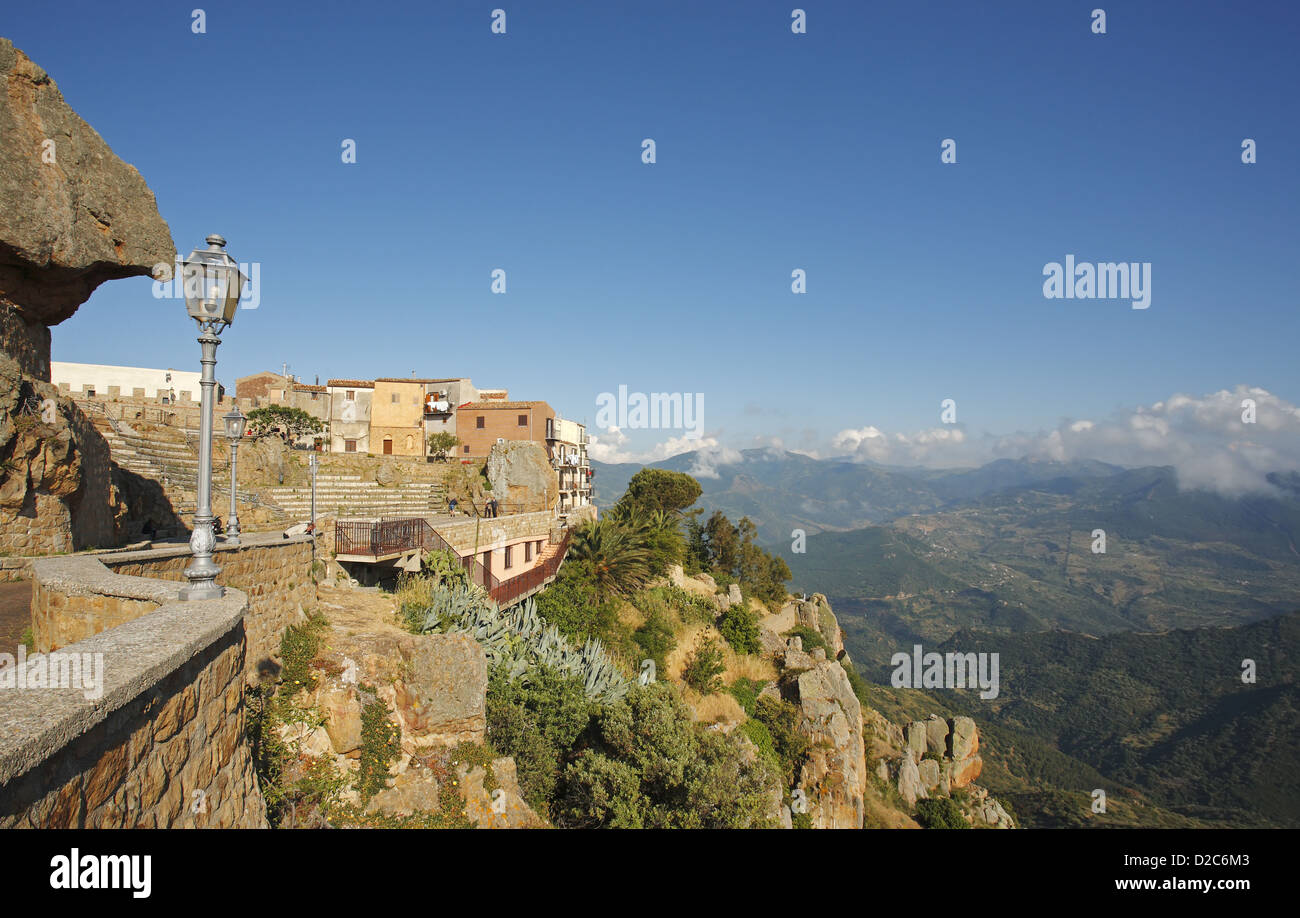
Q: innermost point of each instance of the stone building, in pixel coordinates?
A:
(568, 454)
(481, 424)
(397, 417)
(265, 388)
(349, 417)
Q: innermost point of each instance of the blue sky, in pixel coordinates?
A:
(775, 151)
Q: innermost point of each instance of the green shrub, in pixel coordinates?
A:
(298, 647)
(380, 746)
(537, 722)
(811, 638)
(691, 608)
(652, 766)
(739, 627)
(782, 721)
(656, 640)
(745, 691)
(704, 667)
(940, 813)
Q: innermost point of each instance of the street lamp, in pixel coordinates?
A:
(213, 285)
(235, 423)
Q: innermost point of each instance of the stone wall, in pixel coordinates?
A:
(160, 744)
(461, 535)
(274, 572)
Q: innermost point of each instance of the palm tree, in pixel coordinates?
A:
(620, 562)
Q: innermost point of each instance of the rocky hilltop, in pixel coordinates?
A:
(72, 215)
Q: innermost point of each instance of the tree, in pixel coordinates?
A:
(290, 423)
(660, 489)
(619, 562)
(442, 443)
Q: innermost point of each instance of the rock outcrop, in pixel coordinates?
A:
(72, 215)
(521, 475)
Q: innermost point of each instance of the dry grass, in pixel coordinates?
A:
(718, 708)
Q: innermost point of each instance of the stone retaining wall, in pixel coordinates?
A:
(160, 743)
(274, 572)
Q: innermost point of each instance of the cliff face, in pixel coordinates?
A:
(72, 215)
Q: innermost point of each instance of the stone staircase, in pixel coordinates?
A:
(350, 497)
(171, 462)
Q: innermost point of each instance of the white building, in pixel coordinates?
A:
(93, 380)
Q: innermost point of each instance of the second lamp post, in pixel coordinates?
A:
(235, 423)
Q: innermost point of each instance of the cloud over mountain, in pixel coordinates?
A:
(1210, 440)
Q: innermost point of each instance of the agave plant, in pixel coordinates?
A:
(519, 639)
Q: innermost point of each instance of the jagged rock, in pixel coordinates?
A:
(910, 787)
(435, 685)
(414, 790)
(342, 710)
(965, 738)
(723, 602)
(945, 778)
(966, 770)
(936, 735)
(795, 660)
(929, 772)
(916, 738)
(882, 770)
(443, 701)
(691, 584)
(707, 580)
(521, 475)
(66, 226)
(834, 775)
(503, 807)
(388, 475)
(733, 594)
(310, 741)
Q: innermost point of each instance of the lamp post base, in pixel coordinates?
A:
(202, 590)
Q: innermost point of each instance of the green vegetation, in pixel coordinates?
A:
(442, 443)
(940, 813)
(298, 647)
(731, 555)
(704, 667)
(658, 490)
(739, 628)
(288, 423)
(650, 766)
(518, 639)
(380, 745)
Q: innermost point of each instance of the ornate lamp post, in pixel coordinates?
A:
(235, 423)
(213, 285)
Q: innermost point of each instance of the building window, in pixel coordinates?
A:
(523, 420)
(509, 556)
(480, 422)
(388, 446)
(349, 446)
(528, 552)
(350, 396)
(396, 398)
(90, 391)
(467, 447)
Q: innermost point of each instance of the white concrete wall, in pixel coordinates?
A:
(100, 376)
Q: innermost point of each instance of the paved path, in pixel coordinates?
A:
(15, 613)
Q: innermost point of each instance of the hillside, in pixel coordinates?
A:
(1164, 716)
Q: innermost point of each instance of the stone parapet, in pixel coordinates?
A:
(157, 742)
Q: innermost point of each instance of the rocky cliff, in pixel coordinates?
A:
(72, 215)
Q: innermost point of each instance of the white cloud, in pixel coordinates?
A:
(608, 446)
(1203, 438)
